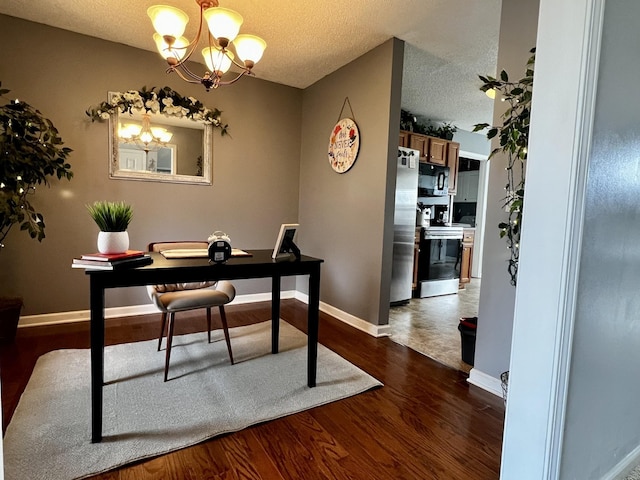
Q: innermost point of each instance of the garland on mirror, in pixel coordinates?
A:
(514, 138)
(158, 100)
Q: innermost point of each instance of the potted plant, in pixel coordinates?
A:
(446, 131)
(31, 151)
(112, 219)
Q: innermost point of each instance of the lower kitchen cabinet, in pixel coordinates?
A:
(466, 256)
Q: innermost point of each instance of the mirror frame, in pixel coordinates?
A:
(114, 157)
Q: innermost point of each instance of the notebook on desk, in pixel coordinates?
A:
(198, 253)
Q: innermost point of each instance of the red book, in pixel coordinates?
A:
(110, 257)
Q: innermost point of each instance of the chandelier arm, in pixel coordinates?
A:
(229, 82)
(191, 47)
(177, 70)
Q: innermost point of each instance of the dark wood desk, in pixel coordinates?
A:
(259, 265)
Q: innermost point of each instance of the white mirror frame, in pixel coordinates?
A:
(114, 158)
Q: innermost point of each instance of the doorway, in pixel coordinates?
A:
(430, 325)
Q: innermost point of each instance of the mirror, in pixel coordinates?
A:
(159, 147)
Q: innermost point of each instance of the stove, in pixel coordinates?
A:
(439, 260)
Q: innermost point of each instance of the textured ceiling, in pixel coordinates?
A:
(449, 42)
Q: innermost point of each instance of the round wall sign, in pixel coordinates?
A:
(344, 144)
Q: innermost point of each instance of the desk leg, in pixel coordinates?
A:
(312, 325)
(97, 358)
(275, 313)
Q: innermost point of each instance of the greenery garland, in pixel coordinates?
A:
(514, 138)
(154, 100)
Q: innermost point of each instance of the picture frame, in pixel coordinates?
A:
(285, 243)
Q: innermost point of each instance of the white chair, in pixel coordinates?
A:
(182, 297)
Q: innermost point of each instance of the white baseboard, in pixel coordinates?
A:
(114, 312)
(624, 468)
(147, 309)
(352, 320)
(485, 382)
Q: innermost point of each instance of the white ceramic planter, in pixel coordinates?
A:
(113, 242)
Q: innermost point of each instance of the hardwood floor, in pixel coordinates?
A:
(426, 422)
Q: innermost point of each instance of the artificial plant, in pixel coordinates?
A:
(513, 135)
(31, 151)
(111, 216)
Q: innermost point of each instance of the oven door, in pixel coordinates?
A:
(439, 258)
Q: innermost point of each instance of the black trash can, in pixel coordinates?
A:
(467, 328)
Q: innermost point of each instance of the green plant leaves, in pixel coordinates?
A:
(30, 152)
(513, 136)
(111, 216)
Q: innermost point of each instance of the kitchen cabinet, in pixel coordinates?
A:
(404, 139)
(432, 149)
(466, 255)
(437, 153)
(453, 157)
(420, 143)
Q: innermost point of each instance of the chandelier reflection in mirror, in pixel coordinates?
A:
(144, 135)
(223, 28)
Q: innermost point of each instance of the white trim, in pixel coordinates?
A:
(573, 241)
(624, 467)
(473, 155)
(133, 310)
(485, 382)
(358, 323)
(543, 321)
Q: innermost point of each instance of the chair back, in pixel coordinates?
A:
(174, 287)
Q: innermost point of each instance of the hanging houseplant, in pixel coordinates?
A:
(513, 135)
(31, 151)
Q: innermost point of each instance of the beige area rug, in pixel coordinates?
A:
(49, 434)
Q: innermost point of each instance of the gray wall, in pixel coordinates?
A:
(602, 410)
(473, 142)
(255, 173)
(497, 297)
(347, 218)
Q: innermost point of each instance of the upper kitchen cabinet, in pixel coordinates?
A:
(404, 139)
(453, 154)
(420, 143)
(435, 150)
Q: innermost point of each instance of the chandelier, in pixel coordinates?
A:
(223, 28)
(147, 137)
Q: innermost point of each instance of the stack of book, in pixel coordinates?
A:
(112, 261)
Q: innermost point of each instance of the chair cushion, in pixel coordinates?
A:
(178, 300)
(192, 299)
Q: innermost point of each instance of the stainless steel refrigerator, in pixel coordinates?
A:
(404, 225)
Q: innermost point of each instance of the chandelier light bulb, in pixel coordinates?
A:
(217, 61)
(145, 135)
(224, 24)
(249, 48)
(169, 22)
(177, 50)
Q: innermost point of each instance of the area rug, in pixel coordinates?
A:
(49, 434)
